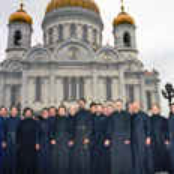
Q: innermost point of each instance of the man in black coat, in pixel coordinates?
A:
(100, 156)
(44, 142)
(82, 133)
(27, 141)
(141, 141)
(119, 129)
(160, 140)
(9, 142)
(60, 143)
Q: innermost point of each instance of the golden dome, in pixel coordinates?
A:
(20, 16)
(123, 18)
(86, 4)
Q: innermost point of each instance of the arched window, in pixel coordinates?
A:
(85, 33)
(94, 36)
(81, 88)
(15, 90)
(73, 88)
(66, 88)
(38, 89)
(130, 93)
(17, 38)
(60, 32)
(72, 30)
(50, 33)
(127, 39)
(149, 99)
(108, 88)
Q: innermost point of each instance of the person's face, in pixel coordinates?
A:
(28, 114)
(136, 107)
(110, 110)
(131, 108)
(93, 109)
(52, 112)
(62, 112)
(73, 110)
(172, 109)
(4, 112)
(81, 104)
(105, 110)
(14, 112)
(99, 109)
(119, 106)
(155, 110)
(45, 114)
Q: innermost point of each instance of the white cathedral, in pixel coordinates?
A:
(72, 63)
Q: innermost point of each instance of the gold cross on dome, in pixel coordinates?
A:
(122, 5)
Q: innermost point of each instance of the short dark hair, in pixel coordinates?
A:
(82, 99)
(44, 109)
(93, 104)
(3, 107)
(52, 107)
(28, 109)
(14, 107)
(62, 107)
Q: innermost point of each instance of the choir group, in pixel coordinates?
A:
(104, 139)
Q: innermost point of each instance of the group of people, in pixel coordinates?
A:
(104, 139)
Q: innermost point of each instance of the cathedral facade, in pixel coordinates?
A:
(72, 63)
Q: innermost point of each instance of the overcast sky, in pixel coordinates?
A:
(154, 21)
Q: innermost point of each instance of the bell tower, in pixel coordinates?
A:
(20, 32)
(124, 31)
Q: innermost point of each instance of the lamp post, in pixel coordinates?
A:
(168, 93)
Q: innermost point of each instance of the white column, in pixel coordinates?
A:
(2, 88)
(24, 92)
(122, 88)
(94, 84)
(8, 95)
(52, 90)
(143, 94)
(115, 88)
(88, 89)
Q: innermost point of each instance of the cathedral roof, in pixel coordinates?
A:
(86, 4)
(123, 18)
(20, 16)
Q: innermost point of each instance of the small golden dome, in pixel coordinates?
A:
(86, 4)
(123, 18)
(21, 16)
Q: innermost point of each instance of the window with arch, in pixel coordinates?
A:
(38, 89)
(108, 88)
(60, 32)
(94, 36)
(85, 33)
(66, 88)
(50, 34)
(73, 88)
(130, 93)
(127, 39)
(81, 87)
(15, 91)
(17, 38)
(72, 30)
(149, 99)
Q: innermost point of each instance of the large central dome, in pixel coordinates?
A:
(86, 4)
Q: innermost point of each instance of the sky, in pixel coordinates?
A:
(154, 21)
